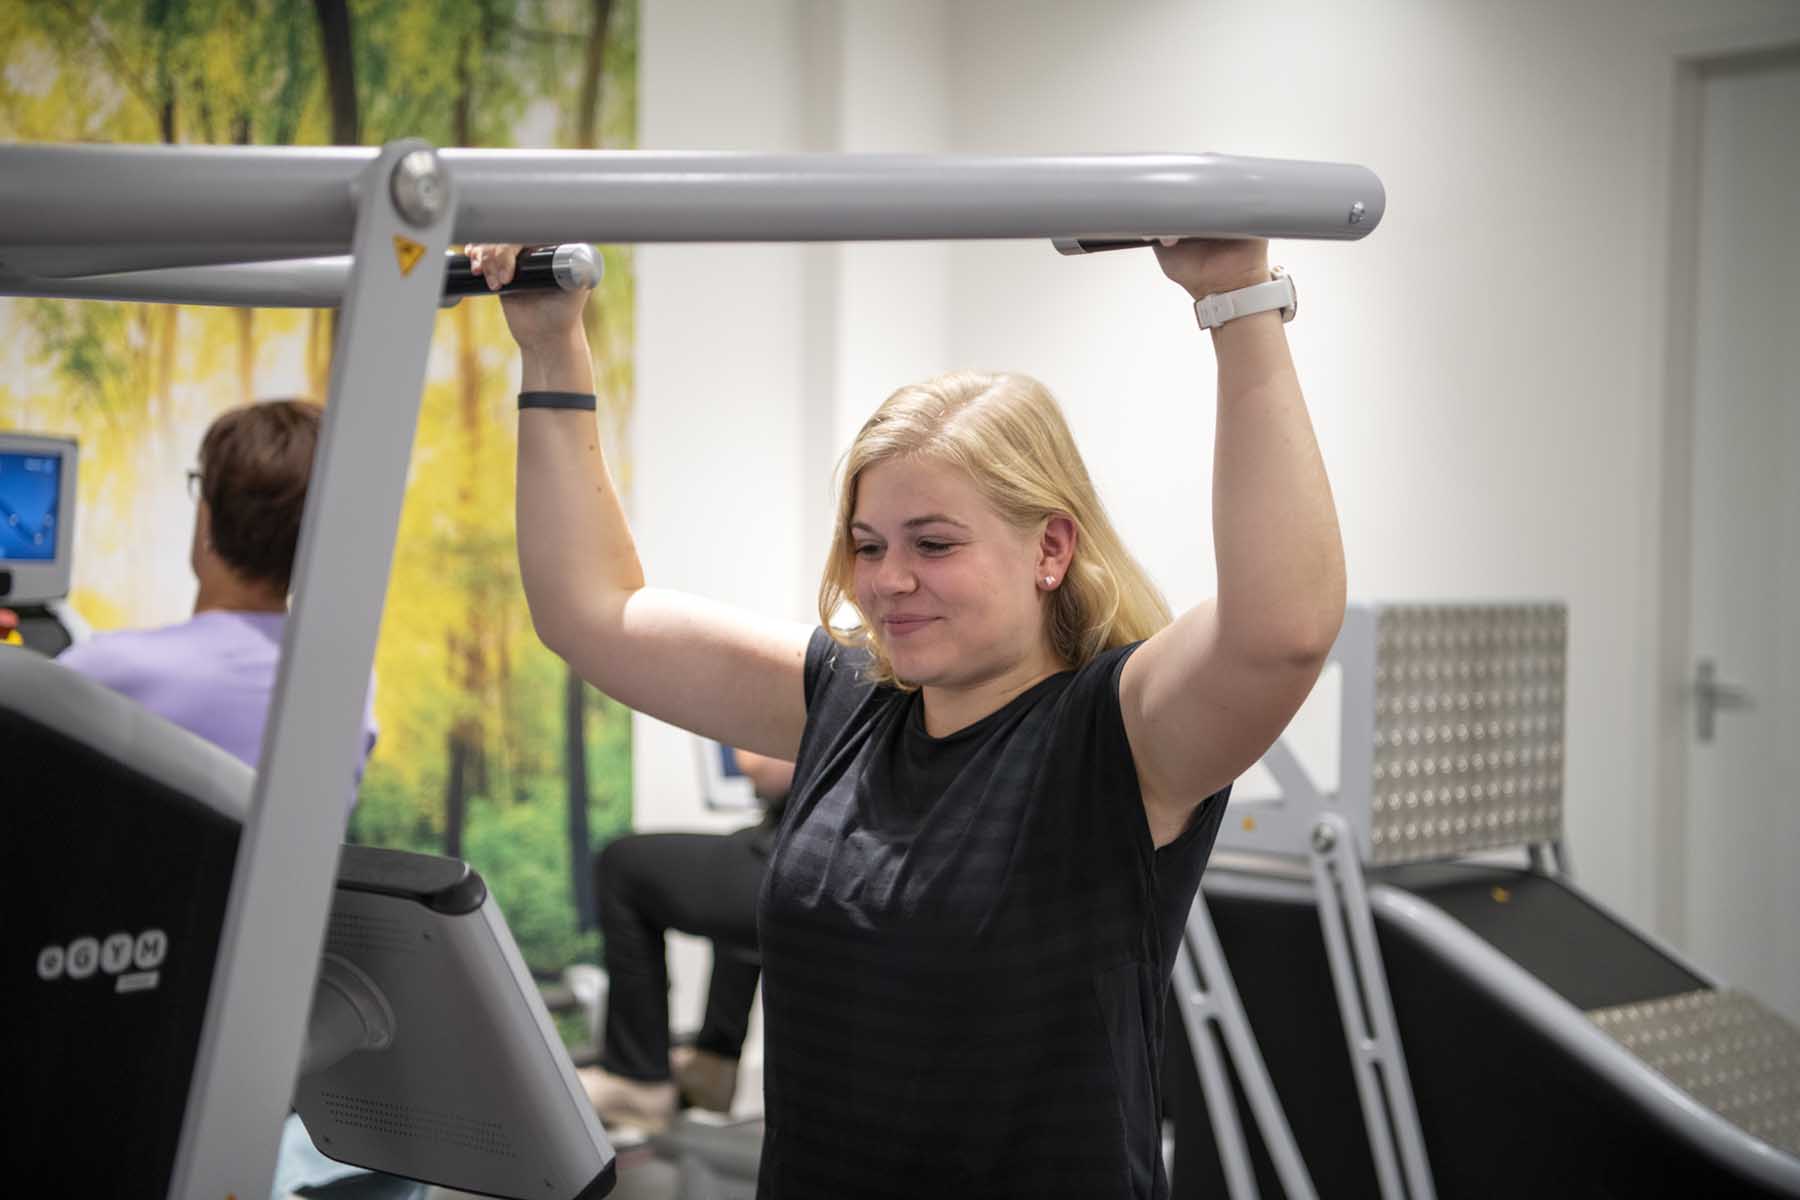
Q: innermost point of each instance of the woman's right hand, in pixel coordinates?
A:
(537, 319)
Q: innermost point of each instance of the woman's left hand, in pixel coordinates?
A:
(1205, 266)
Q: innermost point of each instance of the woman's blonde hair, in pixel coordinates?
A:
(1008, 435)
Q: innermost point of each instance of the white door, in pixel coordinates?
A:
(1743, 786)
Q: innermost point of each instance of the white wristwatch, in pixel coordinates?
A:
(1214, 310)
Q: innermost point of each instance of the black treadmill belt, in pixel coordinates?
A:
(1579, 952)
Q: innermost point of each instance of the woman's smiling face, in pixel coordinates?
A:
(948, 587)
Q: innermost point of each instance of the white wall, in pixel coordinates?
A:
(1484, 372)
(715, 442)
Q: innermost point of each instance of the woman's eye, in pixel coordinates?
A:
(867, 550)
(931, 547)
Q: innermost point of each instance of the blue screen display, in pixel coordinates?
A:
(29, 489)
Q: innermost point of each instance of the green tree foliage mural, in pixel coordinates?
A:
(489, 748)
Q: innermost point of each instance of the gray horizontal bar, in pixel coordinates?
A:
(660, 197)
(286, 283)
(285, 202)
(55, 261)
(297, 283)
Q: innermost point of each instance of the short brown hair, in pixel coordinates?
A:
(255, 462)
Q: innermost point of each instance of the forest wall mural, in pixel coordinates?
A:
(489, 749)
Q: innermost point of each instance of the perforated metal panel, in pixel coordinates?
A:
(427, 1124)
(1725, 1050)
(1467, 729)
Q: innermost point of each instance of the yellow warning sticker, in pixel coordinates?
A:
(408, 252)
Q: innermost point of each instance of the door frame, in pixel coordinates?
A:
(1688, 62)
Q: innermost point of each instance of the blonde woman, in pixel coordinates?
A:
(1009, 772)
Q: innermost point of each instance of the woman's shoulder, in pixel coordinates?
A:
(835, 664)
(1098, 678)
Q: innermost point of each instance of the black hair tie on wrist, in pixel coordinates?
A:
(585, 401)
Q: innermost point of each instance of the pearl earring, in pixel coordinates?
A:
(1049, 581)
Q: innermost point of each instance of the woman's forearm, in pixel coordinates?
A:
(575, 549)
(1275, 530)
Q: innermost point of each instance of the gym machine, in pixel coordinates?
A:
(250, 226)
(1411, 945)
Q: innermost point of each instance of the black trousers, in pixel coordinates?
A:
(700, 884)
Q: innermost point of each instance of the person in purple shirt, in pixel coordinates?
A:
(214, 673)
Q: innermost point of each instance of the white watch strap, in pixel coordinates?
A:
(1214, 310)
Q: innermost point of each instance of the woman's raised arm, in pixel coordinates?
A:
(707, 667)
(1205, 697)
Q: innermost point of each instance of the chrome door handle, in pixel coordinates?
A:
(1711, 697)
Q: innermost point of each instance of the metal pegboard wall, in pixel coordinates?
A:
(1467, 727)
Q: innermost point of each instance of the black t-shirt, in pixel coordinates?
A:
(966, 944)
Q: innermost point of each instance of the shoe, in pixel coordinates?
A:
(706, 1080)
(628, 1104)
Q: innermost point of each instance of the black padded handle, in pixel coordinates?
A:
(566, 267)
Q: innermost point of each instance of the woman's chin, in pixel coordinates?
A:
(912, 666)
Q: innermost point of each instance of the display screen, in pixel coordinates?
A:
(29, 489)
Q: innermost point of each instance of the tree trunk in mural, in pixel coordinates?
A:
(166, 317)
(245, 317)
(340, 84)
(587, 133)
(456, 787)
(468, 636)
(575, 771)
(581, 878)
(340, 69)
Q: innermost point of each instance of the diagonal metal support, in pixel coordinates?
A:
(1370, 1030)
(262, 986)
(1207, 996)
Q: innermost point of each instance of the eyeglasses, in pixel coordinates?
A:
(193, 484)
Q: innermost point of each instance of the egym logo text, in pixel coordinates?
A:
(132, 961)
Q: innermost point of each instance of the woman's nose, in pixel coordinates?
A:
(892, 578)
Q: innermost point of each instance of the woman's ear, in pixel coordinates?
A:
(1056, 548)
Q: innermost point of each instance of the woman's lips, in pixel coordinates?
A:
(901, 626)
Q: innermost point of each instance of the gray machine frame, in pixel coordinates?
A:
(1680, 1115)
(1399, 662)
(181, 225)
